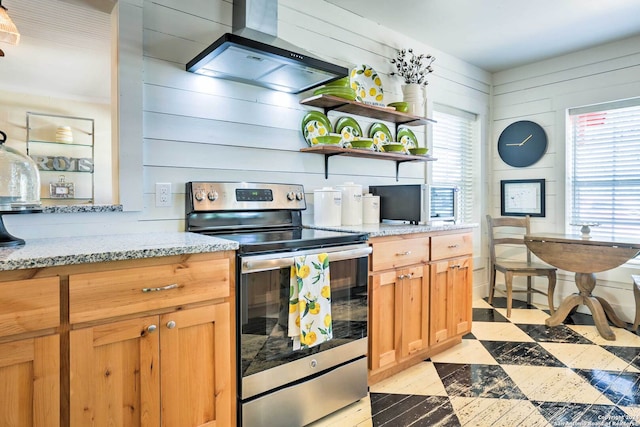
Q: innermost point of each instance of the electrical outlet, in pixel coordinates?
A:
(163, 194)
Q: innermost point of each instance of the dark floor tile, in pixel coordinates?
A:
(561, 414)
(628, 354)
(621, 388)
(477, 381)
(487, 315)
(558, 334)
(469, 336)
(521, 353)
(576, 318)
(501, 302)
(410, 410)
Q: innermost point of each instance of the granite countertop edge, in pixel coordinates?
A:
(61, 251)
(392, 229)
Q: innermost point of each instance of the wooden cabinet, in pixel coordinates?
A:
(145, 342)
(166, 369)
(451, 287)
(420, 298)
(399, 306)
(30, 352)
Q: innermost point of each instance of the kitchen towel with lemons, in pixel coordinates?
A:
(310, 301)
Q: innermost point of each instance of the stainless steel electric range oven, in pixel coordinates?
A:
(277, 385)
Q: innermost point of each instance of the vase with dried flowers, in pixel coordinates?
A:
(414, 70)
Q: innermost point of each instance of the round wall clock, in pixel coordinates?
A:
(522, 143)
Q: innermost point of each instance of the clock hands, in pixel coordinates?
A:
(520, 144)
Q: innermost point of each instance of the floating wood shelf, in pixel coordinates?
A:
(330, 151)
(329, 103)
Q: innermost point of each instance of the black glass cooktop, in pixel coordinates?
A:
(291, 240)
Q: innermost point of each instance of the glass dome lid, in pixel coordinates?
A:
(19, 179)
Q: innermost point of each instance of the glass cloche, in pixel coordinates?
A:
(19, 179)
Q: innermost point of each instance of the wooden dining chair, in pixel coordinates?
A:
(511, 231)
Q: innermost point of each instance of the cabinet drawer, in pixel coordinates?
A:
(399, 252)
(94, 296)
(451, 245)
(29, 305)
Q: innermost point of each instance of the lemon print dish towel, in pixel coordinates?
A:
(310, 301)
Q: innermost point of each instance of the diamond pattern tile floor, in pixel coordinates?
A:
(512, 372)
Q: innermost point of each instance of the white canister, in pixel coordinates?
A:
(327, 209)
(351, 203)
(370, 209)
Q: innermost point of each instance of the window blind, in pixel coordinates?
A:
(604, 175)
(453, 147)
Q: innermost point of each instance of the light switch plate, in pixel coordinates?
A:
(163, 194)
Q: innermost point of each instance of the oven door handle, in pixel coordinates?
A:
(252, 266)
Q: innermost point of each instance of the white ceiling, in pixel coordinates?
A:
(500, 34)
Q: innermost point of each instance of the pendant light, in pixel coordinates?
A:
(8, 30)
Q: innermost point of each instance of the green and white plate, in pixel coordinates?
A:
(380, 134)
(407, 138)
(315, 124)
(368, 85)
(349, 129)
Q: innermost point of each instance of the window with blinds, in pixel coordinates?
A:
(604, 168)
(453, 147)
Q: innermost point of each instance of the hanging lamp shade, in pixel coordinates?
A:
(8, 30)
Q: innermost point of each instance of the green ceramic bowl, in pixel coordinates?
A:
(393, 148)
(418, 150)
(403, 107)
(362, 143)
(331, 139)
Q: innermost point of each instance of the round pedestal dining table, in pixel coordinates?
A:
(585, 256)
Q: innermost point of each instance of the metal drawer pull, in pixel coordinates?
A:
(164, 288)
(151, 328)
(453, 246)
(171, 324)
(405, 276)
(403, 253)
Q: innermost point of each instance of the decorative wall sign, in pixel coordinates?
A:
(63, 163)
(521, 197)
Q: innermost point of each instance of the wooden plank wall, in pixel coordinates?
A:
(542, 92)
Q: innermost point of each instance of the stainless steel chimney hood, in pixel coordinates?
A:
(254, 54)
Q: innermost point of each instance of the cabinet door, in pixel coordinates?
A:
(384, 321)
(415, 310)
(197, 369)
(30, 382)
(114, 374)
(462, 289)
(451, 287)
(441, 303)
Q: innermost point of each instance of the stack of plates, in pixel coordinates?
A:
(63, 134)
(339, 88)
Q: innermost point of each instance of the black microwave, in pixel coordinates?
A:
(418, 203)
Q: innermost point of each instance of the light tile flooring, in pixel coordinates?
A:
(512, 372)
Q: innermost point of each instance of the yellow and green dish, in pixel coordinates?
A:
(380, 134)
(343, 82)
(368, 85)
(315, 124)
(363, 143)
(419, 151)
(349, 129)
(407, 138)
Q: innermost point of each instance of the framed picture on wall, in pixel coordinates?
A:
(521, 197)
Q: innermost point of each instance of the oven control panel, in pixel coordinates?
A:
(221, 196)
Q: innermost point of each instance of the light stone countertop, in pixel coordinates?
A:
(51, 252)
(393, 229)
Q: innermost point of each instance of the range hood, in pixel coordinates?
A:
(254, 54)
